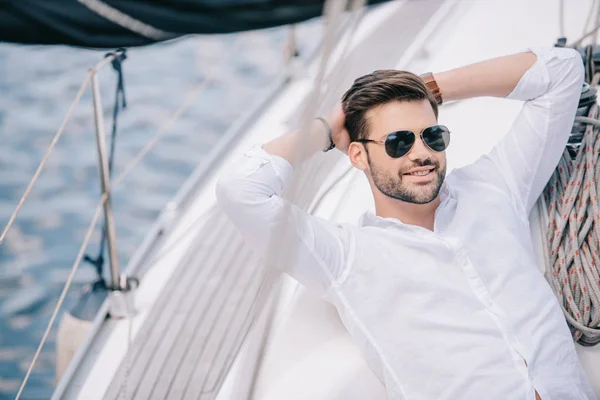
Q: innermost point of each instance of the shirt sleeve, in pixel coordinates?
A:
(527, 156)
(310, 249)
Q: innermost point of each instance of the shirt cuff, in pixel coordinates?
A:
(536, 80)
(283, 169)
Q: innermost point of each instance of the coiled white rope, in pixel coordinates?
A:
(569, 205)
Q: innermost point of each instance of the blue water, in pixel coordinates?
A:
(37, 86)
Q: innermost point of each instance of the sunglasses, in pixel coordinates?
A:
(399, 143)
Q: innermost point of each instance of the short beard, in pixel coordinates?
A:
(394, 187)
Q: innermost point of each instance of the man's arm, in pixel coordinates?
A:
(312, 250)
(316, 139)
(496, 77)
(549, 80)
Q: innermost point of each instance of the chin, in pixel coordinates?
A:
(423, 200)
(424, 195)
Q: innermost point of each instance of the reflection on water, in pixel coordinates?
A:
(37, 86)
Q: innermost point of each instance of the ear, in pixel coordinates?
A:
(358, 155)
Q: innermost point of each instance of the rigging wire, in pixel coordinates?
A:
(298, 192)
(63, 294)
(317, 170)
(128, 168)
(89, 231)
(585, 36)
(57, 136)
(561, 17)
(184, 106)
(589, 16)
(595, 38)
(587, 24)
(42, 164)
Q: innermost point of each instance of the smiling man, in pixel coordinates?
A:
(439, 287)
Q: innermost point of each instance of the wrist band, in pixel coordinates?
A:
(329, 133)
(430, 82)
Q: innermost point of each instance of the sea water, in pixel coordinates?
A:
(37, 86)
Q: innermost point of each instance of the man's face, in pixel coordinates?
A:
(395, 177)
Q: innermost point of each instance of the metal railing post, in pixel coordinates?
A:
(109, 222)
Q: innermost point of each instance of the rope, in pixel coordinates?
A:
(189, 100)
(585, 36)
(126, 21)
(587, 120)
(61, 299)
(45, 158)
(587, 23)
(569, 208)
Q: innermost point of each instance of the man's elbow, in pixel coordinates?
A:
(567, 80)
(577, 69)
(240, 197)
(574, 71)
(575, 77)
(225, 192)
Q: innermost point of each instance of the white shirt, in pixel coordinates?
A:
(454, 313)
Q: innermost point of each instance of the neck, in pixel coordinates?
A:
(408, 213)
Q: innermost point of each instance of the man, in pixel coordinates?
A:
(440, 287)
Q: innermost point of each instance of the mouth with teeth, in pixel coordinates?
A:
(421, 173)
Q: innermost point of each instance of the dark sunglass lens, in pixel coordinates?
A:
(399, 143)
(437, 137)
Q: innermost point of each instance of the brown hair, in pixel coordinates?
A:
(380, 87)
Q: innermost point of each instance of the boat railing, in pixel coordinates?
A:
(120, 284)
(103, 204)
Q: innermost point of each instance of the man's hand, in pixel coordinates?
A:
(296, 146)
(339, 134)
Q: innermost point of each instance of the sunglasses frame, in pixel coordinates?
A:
(420, 135)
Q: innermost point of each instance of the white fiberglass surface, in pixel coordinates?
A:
(479, 30)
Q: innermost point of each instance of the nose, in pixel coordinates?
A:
(419, 151)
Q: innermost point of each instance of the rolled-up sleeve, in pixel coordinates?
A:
(310, 249)
(527, 156)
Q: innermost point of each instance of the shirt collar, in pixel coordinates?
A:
(370, 219)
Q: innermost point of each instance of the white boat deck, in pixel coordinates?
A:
(193, 332)
(194, 308)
